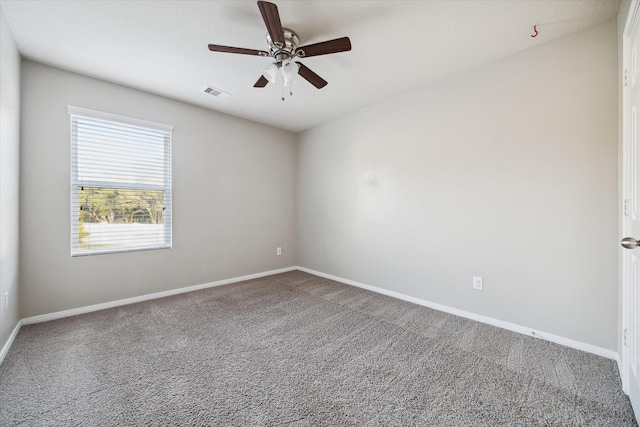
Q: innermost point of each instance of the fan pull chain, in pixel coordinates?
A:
(283, 90)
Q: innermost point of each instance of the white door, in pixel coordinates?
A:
(630, 355)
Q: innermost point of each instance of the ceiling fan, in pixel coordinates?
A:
(283, 48)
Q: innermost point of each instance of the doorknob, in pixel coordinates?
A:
(629, 243)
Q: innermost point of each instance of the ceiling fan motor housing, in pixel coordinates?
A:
(286, 52)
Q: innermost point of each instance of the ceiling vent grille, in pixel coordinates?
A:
(215, 92)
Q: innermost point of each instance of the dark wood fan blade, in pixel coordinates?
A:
(323, 48)
(310, 76)
(271, 19)
(262, 82)
(240, 50)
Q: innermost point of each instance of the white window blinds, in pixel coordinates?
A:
(120, 183)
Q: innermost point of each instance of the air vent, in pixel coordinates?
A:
(215, 92)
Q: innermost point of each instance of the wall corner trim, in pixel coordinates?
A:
(578, 345)
(9, 343)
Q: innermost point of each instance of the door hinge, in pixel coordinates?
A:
(625, 78)
(624, 338)
(625, 207)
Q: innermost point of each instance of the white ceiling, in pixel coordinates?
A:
(161, 46)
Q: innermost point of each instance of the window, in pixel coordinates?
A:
(120, 183)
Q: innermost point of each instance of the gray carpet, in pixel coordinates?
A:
(298, 350)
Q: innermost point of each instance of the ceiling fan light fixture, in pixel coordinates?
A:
(289, 70)
(289, 82)
(270, 73)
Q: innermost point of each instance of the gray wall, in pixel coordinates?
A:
(9, 179)
(508, 172)
(233, 197)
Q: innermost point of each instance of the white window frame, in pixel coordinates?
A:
(75, 182)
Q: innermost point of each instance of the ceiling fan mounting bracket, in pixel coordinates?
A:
(283, 52)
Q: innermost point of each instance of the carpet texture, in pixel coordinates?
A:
(298, 350)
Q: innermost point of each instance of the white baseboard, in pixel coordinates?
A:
(7, 345)
(610, 354)
(621, 372)
(589, 348)
(126, 301)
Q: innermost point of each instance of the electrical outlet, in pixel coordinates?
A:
(278, 251)
(477, 283)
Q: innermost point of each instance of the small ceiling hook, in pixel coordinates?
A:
(535, 30)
